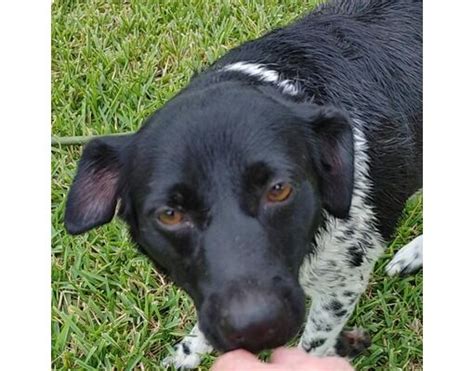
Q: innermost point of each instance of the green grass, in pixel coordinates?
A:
(114, 63)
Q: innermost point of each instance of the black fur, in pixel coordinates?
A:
(214, 150)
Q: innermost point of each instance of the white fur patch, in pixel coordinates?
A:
(408, 259)
(263, 74)
(188, 352)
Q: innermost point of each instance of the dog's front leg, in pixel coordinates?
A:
(323, 334)
(187, 353)
(335, 278)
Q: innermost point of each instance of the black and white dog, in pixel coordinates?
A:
(277, 172)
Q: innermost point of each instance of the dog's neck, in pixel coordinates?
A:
(264, 74)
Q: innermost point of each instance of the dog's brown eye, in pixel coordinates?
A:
(279, 192)
(170, 217)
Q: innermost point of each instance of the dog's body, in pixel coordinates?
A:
(326, 112)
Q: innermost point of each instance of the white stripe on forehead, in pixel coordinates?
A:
(263, 74)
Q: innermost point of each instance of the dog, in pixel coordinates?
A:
(279, 172)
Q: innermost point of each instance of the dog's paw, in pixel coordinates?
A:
(182, 358)
(187, 354)
(408, 260)
(351, 343)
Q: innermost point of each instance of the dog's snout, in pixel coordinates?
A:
(254, 321)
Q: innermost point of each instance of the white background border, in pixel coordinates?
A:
(448, 185)
(25, 185)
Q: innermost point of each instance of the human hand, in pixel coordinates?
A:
(282, 359)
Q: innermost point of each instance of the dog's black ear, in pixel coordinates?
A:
(94, 193)
(333, 156)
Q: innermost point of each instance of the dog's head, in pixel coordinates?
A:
(223, 189)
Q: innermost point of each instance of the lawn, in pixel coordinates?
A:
(113, 64)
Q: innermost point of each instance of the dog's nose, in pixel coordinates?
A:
(254, 321)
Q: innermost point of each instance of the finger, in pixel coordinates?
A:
(288, 356)
(298, 358)
(333, 364)
(237, 360)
